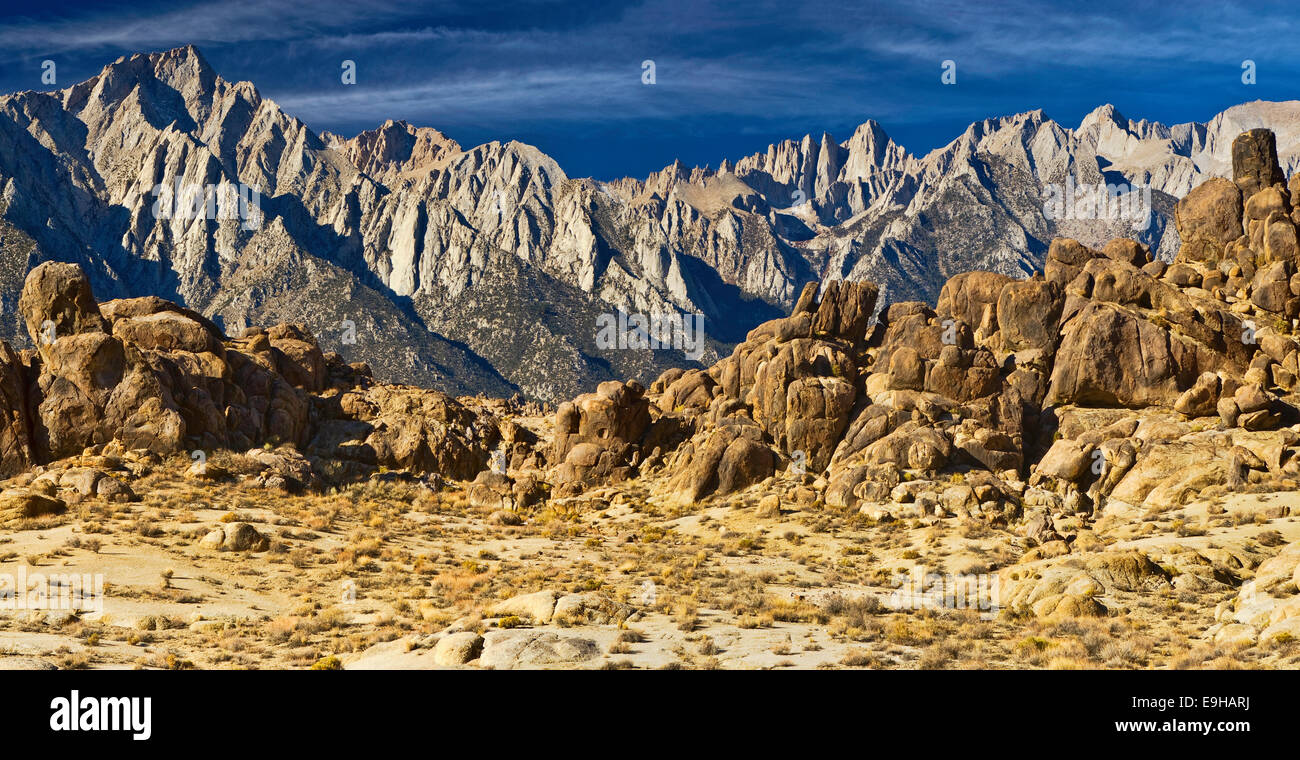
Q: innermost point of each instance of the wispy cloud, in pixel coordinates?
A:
(568, 73)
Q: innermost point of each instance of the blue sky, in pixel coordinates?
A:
(731, 77)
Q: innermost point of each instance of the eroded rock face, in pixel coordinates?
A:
(598, 435)
(405, 428)
(729, 458)
(802, 397)
(143, 373)
(1254, 162)
(16, 454)
(57, 301)
(1208, 220)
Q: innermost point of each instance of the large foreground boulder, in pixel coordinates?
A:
(1208, 219)
(56, 300)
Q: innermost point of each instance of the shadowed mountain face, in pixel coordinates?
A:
(488, 268)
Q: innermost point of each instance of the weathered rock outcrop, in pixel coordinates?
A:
(598, 435)
(1093, 381)
(1254, 162)
(144, 373)
(1208, 220)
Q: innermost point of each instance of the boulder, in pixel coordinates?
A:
(906, 370)
(538, 606)
(505, 650)
(21, 503)
(845, 310)
(727, 459)
(1251, 398)
(1029, 315)
(1065, 260)
(590, 609)
(1201, 400)
(1208, 219)
(1128, 251)
(236, 537)
(1254, 161)
(1183, 276)
(1228, 412)
(457, 648)
(1235, 636)
(1263, 203)
(967, 296)
(57, 301)
(1111, 357)
(692, 389)
(1127, 571)
(1281, 243)
(963, 375)
(167, 330)
(1067, 460)
(298, 358)
(1271, 287)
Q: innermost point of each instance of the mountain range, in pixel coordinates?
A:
(486, 269)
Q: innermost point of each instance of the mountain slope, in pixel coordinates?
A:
(486, 268)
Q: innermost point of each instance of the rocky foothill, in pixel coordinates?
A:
(140, 379)
(1109, 381)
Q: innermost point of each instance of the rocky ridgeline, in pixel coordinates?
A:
(143, 376)
(1107, 381)
(480, 269)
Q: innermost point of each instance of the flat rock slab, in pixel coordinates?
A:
(25, 663)
(505, 650)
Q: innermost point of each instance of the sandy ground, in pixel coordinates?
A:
(375, 575)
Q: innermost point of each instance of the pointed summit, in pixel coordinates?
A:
(178, 67)
(183, 70)
(396, 147)
(1104, 114)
